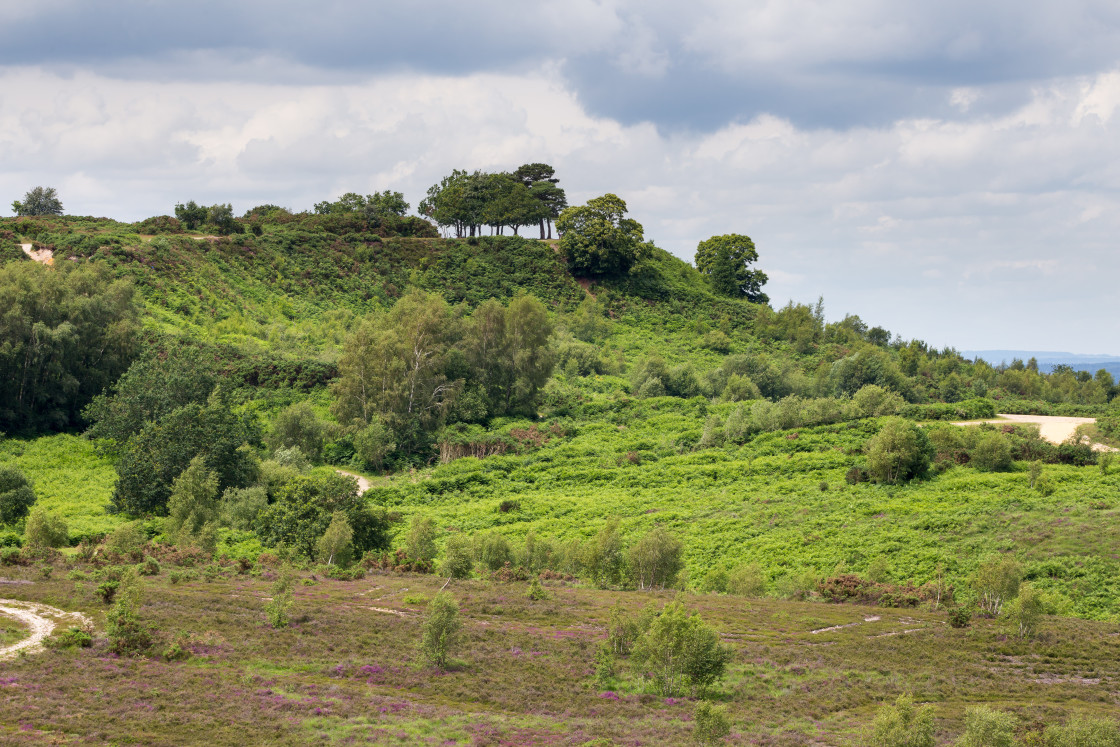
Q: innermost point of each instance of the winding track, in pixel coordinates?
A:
(40, 619)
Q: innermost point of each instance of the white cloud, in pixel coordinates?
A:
(978, 231)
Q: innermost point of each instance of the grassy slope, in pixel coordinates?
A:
(348, 673)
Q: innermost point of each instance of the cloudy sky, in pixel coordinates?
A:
(948, 170)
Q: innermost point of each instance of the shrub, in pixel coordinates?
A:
(903, 725)
(420, 544)
(899, 452)
(45, 529)
(298, 426)
(70, 638)
(985, 727)
(150, 567)
(440, 630)
(747, 580)
(536, 591)
(107, 590)
(126, 633)
(716, 581)
(16, 494)
(492, 550)
(992, 453)
(1084, 731)
(710, 724)
(458, 560)
(278, 608)
(127, 539)
(960, 617)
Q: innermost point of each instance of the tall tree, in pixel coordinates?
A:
(727, 260)
(39, 201)
(66, 333)
(540, 179)
(597, 240)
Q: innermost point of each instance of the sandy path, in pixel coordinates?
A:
(1053, 428)
(363, 483)
(40, 619)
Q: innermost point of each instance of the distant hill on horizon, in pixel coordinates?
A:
(1048, 359)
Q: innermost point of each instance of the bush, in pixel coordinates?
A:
(996, 582)
(45, 529)
(458, 557)
(440, 630)
(126, 633)
(536, 591)
(985, 727)
(903, 725)
(298, 426)
(336, 545)
(960, 617)
(150, 567)
(70, 638)
(420, 544)
(899, 452)
(992, 453)
(279, 607)
(1084, 731)
(492, 550)
(747, 580)
(127, 539)
(107, 590)
(16, 494)
(710, 724)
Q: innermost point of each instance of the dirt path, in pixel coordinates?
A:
(40, 619)
(363, 483)
(1053, 428)
(46, 256)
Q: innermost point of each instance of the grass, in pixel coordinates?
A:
(345, 674)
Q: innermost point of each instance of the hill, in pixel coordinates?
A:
(522, 422)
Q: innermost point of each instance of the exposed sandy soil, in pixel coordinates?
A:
(363, 483)
(40, 619)
(1053, 428)
(46, 256)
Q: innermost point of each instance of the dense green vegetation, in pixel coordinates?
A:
(587, 413)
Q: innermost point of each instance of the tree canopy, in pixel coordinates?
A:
(38, 201)
(726, 260)
(467, 201)
(597, 240)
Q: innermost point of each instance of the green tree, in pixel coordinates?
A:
(278, 610)
(191, 214)
(66, 333)
(541, 181)
(992, 453)
(337, 543)
(298, 425)
(39, 201)
(45, 529)
(162, 449)
(373, 444)
(221, 217)
(727, 260)
(996, 582)
(382, 204)
(420, 543)
(1024, 612)
(192, 508)
(126, 632)
(903, 725)
(680, 652)
(655, 559)
(604, 555)
(900, 451)
(597, 240)
(151, 388)
(304, 507)
(458, 557)
(509, 354)
(16, 494)
(440, 629)
(395, 367)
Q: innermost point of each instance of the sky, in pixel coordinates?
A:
(949, 171)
